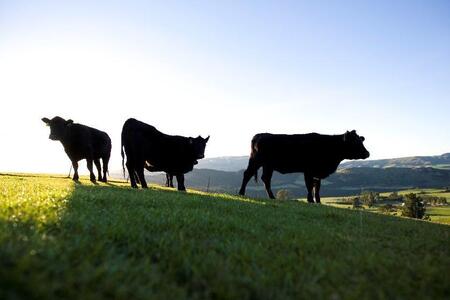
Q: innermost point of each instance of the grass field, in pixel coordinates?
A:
(438, 214)
(61, 240)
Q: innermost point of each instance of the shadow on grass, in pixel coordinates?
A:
(111, 241)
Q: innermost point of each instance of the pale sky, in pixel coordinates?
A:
(229, 69)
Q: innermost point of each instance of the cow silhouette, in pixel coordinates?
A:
(316, 155)
(82, 142)
(146, 147)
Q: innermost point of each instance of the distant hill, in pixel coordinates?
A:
(349, 181)
(236, 163)
(224, 174)
(224, 163)
(438, 161)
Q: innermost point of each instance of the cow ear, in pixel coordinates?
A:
(69, 122)
(45, 120)
(362, 138)
(207, 139)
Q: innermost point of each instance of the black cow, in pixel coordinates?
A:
(82, 142)
(169, 180)
(146, 147)
(316, 155)
(169, 177)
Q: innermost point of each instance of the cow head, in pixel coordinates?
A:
(353, 145)
(58, 127)
(198, 145)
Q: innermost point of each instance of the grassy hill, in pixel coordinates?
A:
(60, 240)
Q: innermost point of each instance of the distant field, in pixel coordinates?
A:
(438, 214)
(431, 192)
(61, 240)
(442, 166)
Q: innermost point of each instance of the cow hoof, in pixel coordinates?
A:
(92, 178)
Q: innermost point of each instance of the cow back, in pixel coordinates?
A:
(169, 153)
(314, 153)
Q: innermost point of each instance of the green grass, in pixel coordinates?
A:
(60, 240)
(437, 214)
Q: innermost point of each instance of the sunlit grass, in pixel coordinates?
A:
(61, 240)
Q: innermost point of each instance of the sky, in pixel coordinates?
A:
(229, 69)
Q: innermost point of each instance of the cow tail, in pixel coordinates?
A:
(254, 150)
(123, 158)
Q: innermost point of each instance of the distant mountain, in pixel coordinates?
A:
(224, 163)
(348, 181)
(236, 163)
(438, 161)
(224, 174)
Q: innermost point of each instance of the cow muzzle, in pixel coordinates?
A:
(366, 155)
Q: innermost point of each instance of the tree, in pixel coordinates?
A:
(434, 200)
(387, 208)
(413, 207)
(283, 194)
(356, 203)
(369, 198)
(395, 196)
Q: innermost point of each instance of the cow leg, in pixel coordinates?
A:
(169, 180)
(252, 168)
(136, 178)
(266, 177)
(317, 189)
(131, 173)
(89, 166)
(105, 161)
(309, 182)
(99, 169)
(140, 174)
(180, 181)
(75, 170)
